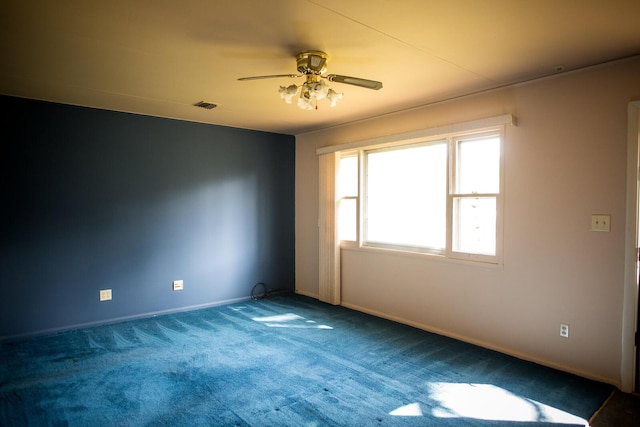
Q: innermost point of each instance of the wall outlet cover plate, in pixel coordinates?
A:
(105, 294)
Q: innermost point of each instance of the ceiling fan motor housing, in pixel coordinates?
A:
(312, 62)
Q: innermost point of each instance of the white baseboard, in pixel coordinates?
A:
(486, 345)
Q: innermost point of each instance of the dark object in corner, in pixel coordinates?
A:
(260, 291)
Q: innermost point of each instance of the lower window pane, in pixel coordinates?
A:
(475, 225)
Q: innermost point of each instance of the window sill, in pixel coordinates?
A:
(430, 257)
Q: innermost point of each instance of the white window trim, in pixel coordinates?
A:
(451, 195)
(419, 135)
(356, 154)
(497, 123)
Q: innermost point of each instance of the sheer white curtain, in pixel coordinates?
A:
(329, 277)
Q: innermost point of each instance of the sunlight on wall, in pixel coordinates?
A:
(226, 244)
(289, 320)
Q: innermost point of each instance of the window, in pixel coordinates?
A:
(347, 193)
(406, 197)
(440, 196)
(475, 193)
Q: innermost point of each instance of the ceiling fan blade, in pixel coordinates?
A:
(356, 81)
(272, 76)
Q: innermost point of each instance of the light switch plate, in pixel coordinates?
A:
(601, 222)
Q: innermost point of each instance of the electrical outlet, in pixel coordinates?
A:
(178, 285)
(105, 294)
(564, 330)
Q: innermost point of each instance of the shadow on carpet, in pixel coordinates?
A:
(285, 361)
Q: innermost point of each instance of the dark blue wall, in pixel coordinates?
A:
(95, 199)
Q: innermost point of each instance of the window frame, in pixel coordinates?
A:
(448, 253)
(452, 194)
(357, 197)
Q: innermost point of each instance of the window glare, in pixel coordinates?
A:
(478, 166)
(439, 196)
(475, 231)
(406, 196)
(348, 176)
(347, 219)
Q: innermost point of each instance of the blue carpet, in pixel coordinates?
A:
(285, 361)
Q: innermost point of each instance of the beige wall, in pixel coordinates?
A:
(565, 160)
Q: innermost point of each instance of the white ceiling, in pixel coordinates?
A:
(159, 57)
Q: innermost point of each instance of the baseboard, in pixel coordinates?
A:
(484, 344)
(122, 319)
(307, 294)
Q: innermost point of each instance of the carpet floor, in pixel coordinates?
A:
(284, 361)
(620, 410)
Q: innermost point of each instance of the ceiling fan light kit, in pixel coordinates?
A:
(309, 93)
(313, 64)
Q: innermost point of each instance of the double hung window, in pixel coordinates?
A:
(438, 195)
(475, 195)
(347, 191)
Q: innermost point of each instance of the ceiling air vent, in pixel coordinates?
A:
(205, 105)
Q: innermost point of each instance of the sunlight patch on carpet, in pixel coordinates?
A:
(410, 410)
(488, 402)
(289, 320)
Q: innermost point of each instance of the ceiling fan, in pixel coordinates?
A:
(313, 65)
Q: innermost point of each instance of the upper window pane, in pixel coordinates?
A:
(478, 165)
(348, 176)
(406, 202)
